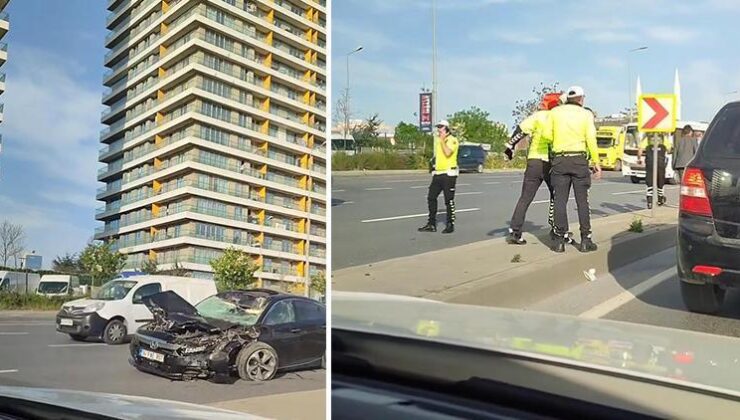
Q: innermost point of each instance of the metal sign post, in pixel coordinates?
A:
(656, 113)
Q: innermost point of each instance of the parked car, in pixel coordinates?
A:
(58, 285)
(118, 307)
(252, 334)
(471, 158)
(16, 281)
(709, 216)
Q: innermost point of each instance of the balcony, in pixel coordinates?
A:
(4, 23)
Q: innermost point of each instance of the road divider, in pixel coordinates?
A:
(411, 216)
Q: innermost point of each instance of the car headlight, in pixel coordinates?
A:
(190, 350)
(93, 307)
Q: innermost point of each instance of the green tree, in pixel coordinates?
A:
(176, 270)
(318, 283)
(101, 262)
(474, 125)
(150, 266)
(234, 270)
(367, 133)
(408, 136)
(67, 264)
(526, 107)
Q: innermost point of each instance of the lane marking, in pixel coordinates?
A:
(337, 191)
(77, 345)
(629, 192)
(346, 202)
(547, 201)
(469, 193)
(462, 185)
(411, 216)
(12, 333)
(27, 324)
(628, 295)
(491, 183)
(9, 371)
(402, 180)
(378, 189)
(419, 186)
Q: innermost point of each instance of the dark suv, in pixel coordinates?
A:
(709, 217)
(471, 158)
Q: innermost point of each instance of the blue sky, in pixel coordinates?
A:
(52, 121)
(493, 52)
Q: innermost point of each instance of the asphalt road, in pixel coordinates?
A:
(374, 218)
(644, 292)
(33, 354)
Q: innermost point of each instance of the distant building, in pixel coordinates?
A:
(33, 262)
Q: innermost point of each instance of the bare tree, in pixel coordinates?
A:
(12, 242)
(526, 107)
(343, 114)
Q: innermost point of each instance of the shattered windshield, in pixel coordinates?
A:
(233, 310)
(114, 290)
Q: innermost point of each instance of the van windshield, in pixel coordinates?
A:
(53, 287)
(114, 290)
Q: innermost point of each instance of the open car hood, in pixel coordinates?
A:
(171, 303)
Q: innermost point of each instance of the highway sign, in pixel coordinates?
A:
(656, 113)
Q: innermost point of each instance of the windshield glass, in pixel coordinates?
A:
(53, 287)
(231, 310)
(605, 141)
(114, 290)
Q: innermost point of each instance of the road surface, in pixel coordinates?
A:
(374, 218)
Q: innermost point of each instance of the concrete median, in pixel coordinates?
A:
(484, 273)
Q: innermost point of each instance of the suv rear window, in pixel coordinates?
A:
(724, 138)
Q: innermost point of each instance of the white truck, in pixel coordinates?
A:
(118, 310)
(21, 282)
(58, 285)
(633, 169)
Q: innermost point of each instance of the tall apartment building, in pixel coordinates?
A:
(4, 28)
(216, 134)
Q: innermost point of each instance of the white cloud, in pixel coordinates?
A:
(609, 36)
(51, 118)
(670, 34)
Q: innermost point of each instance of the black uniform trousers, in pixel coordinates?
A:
(537, 171)
(649, 171)
(570, 171)
(446, 184)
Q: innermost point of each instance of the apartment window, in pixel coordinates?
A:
(238, 213)
(245, 120)
(215, 111)
(287, 246)
(217, 87)
(211, 206)
(210, 231)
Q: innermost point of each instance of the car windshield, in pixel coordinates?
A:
(114, 290)
(232, 310)
(605, 141)
(53, 287)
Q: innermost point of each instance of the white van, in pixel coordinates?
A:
(117, 309)
(16, 281)
(58, 285)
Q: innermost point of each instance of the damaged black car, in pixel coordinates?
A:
(251, 334)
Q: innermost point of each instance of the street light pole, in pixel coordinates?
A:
(435, 98)
(347, 97)
(629, 80)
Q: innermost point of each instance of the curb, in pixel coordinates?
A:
(408, 172)
(543, 278)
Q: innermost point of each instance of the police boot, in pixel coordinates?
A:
(661, 200)
(559, 246)
(429, 227)
(650, 202)
(449, 228)
(515, 238)
(587, 245)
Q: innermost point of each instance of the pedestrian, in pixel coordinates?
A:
(444, 177)
(646, 147)
(538, 166)
(684, 149)
(571, 133)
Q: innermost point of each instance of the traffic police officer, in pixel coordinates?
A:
(444, 177)
(572, 135)
(538, 165)
(646, 146)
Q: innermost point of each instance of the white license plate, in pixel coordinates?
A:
(157, 357)
(65, 322)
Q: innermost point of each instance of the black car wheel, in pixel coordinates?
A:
(635, 180)
(479, 169)
(702, 298)
(114, 332)
(77, 337)
(257, 362)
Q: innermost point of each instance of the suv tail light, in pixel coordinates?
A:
(694, 197)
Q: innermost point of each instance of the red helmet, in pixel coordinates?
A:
(551, 100)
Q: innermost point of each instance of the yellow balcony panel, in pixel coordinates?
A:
(307, 97)
(306, 137)
(162, 51)
(263, 192)
(300, 268)
(304, 161)
(307, 76)
(305, 118)
(156, 186)
(261, 217)
(155, 210)
(160, 95)
(271, 16)
(163, 28)
(312, 119)
(261, 237)
(267, 83)
(302, 226)
(264, 147)
(308, 56)
(301, 247)
(266, 105)
(265, 127)
(157, 163)
(303, 182)
(268, 60)
(165, 6)
(161, 73)
(269, 38)
(303, 203)
(309, 35)
(152, 255)
(263, 169)
(158, 140)
(152, 231)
